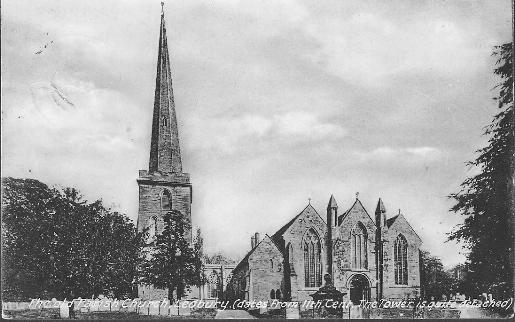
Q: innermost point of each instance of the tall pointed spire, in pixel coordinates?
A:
(165, 153)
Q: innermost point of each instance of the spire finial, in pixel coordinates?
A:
(309, 201)
(357, 195)
(399, 211)
(162, 7)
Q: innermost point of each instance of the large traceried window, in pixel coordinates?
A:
(312, 259)
(166, 200)
(359, 246)
(401, 260)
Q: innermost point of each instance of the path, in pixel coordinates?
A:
(233, 314)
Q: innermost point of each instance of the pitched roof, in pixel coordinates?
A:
(284, 228)
(245, 259)
(390, 221)
(356, 203)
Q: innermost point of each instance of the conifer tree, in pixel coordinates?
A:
(486, 199)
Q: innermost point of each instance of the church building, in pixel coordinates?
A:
(367, 258)
(164, 187)
(370, 259)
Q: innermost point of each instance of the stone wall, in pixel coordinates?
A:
(294, 235)
(342, 259)
(266, 270)
(412, 289)
(151, 188)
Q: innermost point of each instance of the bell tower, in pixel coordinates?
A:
(164, 186)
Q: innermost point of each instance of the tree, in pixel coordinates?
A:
(170, 262)
(435, 281)
(56, 244)
(486, 199)
(218, 258)
(198, 249)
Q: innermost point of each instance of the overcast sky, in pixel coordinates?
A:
(277, 102)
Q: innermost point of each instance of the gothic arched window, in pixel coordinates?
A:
(290, 257)
(401, 260)
(166, 200)
(359, 246)
(290, 253)
(312, 260)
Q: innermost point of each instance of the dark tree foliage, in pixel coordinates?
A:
(198, 249)
(486, 200)
(56, 244)
(169, 260)
(435, 281)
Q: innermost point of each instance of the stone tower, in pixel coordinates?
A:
(164, 187)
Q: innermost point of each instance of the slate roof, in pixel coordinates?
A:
(245, 259)
(284, 228)
(390, 221)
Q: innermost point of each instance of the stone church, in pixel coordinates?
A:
(164, 187)
(370, 258)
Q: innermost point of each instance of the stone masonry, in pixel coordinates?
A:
(255, 277)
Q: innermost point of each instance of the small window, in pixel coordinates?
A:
(272, 294)
(164, 121)
(166, 200)
(271, 264)
(278, 294)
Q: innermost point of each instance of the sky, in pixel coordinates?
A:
(278, 102)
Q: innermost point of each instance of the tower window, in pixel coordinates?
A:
(164, 121)
(166, 200)
(401, 260)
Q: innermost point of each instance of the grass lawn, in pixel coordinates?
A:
(54, 314)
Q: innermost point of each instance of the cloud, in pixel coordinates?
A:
(412, 154)
(230, 134)
(277, 102)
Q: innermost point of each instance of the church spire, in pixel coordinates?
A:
(165, 153)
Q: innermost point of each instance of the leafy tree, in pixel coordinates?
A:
(170, 262)
(435, 281)
(56, 244)
(486, 199)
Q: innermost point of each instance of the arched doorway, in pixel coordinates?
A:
(359, 289)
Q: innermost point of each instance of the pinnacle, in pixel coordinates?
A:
(332, 203)
(380, 207)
